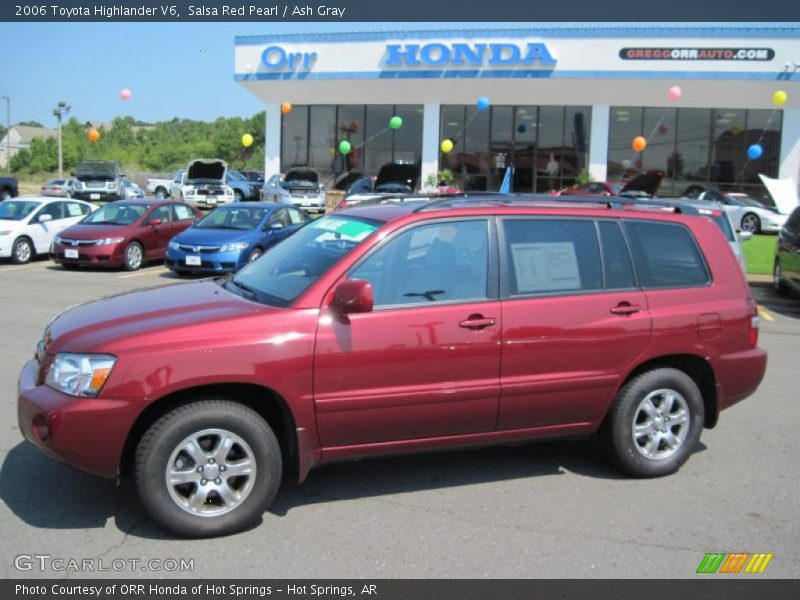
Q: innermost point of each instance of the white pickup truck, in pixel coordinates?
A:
(160, 188)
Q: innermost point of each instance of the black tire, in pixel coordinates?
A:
(159, 444)
(751, 222)
(22, 252)
(617, 434)
(778, 284)
(161, 193)
(255, 254)
(133, 259)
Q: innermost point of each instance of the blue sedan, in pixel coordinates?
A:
(230, 236)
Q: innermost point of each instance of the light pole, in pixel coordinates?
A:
(59, 111)
(8, 133)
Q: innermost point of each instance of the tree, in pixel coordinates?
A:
(31, 123)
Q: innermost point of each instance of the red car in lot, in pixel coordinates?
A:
(401, 328)
(123, 234)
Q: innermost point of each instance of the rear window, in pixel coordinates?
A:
(666, 255)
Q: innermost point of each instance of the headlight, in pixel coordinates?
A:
(107, 241)
(80, 374)
(232, 247)
(173, 246)
(56, 240)
(112, 186)
(77, 185)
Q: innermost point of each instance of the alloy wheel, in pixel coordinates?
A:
(661, 424)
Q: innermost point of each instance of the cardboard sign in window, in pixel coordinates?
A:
(545, 267)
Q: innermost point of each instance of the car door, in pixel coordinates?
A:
(574, 320)
(42, 232)
(278, 226)
(176, 189)
(425, 362)
(160, 228)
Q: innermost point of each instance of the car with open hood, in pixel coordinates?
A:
(203, 184)
(394, 178)
(747, 213)
(127, 234)
(298, 187)
(231, 236)
(97, 180)
(643, 185)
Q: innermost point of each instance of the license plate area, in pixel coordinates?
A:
(70, 253)
(194, 261)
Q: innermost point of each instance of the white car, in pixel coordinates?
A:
(28, 225)
(747, 213)
(202, 184)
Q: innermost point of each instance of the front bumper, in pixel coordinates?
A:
(89, 195)
(772, 226)
(87, 433)
(112, 255)
(210, 262)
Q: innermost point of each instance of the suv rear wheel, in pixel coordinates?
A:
(208, 468)
(654, 423)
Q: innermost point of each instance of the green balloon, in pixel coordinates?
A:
(344, 147)
(396, 122)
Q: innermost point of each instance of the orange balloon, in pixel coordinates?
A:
(639, 143)
(93, 135)
(286, 108)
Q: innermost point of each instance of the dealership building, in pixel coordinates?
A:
(564, 100)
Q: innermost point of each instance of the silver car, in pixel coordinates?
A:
(131, 190)
(299, 187)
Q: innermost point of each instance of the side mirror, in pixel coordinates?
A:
(45, 218)
(353, 296)
(745, 236)
(276, 226)
(155, 221)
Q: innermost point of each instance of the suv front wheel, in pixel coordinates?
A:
(654, 423)
(208, 468)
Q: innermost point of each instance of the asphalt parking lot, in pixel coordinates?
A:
(538, 510)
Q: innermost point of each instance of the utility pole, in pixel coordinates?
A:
(60, 111)
(8, 133)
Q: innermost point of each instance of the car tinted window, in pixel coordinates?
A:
(438, 262)
(16, 210)
(75, 209)
(666, 255)
(552, 255)
(296, 217)
(116, 214)
(163, 213)
(616, 258)
(793, 222)
(278, 217)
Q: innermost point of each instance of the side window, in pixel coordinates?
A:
(439, 262)
(162, 212)
(296, 217)
(279, 216)
(75, 209)
(178, 177)
(547, 256)
(666, 255)
(54, 209)
(182, 212)
(616, 258)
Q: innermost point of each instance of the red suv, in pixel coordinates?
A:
(397, 329)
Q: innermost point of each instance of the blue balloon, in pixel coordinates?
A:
(483, 103)
(755, 151)
(521, 128)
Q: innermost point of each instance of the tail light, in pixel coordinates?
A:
(755, 321)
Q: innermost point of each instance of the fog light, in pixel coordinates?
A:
(40, 428)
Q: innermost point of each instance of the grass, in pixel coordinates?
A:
(759, 253)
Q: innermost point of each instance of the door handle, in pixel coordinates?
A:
(625, 308)
(477, 322)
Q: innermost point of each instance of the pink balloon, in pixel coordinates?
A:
(125, 94)
(674, 93)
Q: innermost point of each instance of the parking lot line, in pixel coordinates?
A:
(765, 314)
(141, 273)
(21, 267)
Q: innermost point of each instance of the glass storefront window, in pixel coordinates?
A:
(408, 139)
(294, 139)
(350, 120)
(378, 149)
(322, 140)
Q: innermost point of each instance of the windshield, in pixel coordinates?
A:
(116, 214)
(16, 210)
(288, 269)
(233, 217)
(745, 201)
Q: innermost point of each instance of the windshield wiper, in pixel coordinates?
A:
(249, 292)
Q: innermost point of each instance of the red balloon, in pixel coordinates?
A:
(662, 129)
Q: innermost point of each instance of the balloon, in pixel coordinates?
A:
(483, 103)
(639, 143)
(662, 129)
(779, 98)
(247, 140)
(396, 122)
(125, 94)
(447, 146)
(344, 147)
(755, 151)
(674, 93)
(93, 135)
(627, 164)
(286, 108)
(521, 128)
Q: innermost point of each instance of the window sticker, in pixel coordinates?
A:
(74, 210)
(545, 267)
(355, 230)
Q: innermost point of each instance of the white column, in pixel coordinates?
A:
(272, 140)
(790, 145)
(598, 142)
(430, 141)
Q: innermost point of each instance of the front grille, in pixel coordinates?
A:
(198, 249)
(76, 243)
(210, 191)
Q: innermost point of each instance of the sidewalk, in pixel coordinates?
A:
(759, 279)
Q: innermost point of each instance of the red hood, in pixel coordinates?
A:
(152, 318)
(94, 232)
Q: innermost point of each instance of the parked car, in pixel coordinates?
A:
(299, 187)
(396, 329)
(160, 186)
(8, 188)
(97, 180)
(786, 267)
(254, 176)
(598, 188)
(229, 237)
(643, 185)
(243, 188)
(747, 213)
(131, 190)
(398, 177)
(28, 225)
(202, 184)
(128, 234)
(60, 188)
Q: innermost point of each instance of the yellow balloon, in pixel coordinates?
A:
(447, 146)
(247, 140)
(779, 98)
